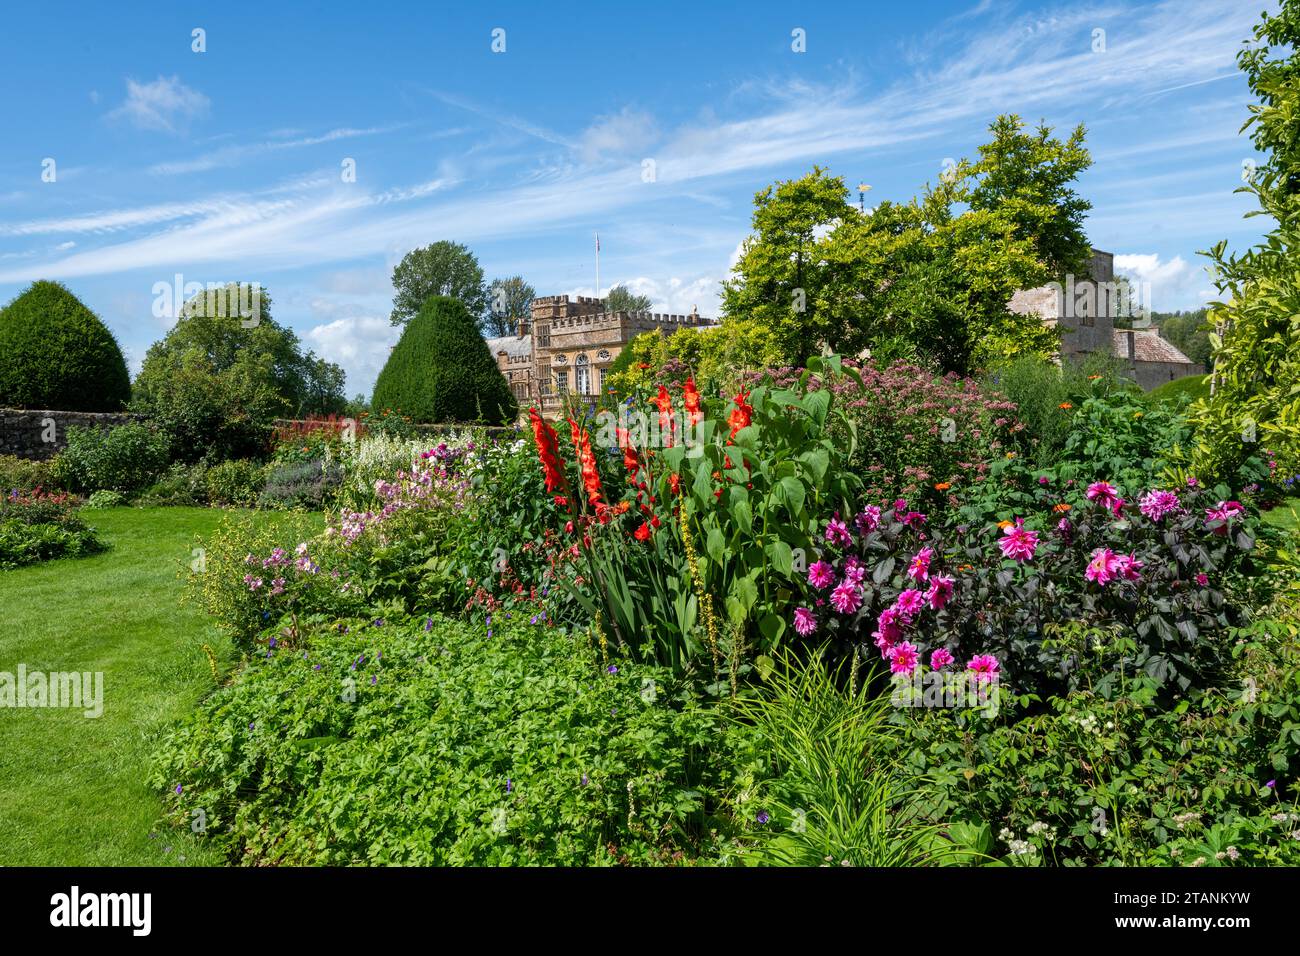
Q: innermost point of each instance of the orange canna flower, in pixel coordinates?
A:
(943, 486)
(741, 415)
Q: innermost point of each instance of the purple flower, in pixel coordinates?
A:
(179, 789)
(611, 669)
(763, 817)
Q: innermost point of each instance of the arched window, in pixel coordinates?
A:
(582, 373)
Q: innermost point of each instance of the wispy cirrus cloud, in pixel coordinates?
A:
(1035, 65)
(233, 155)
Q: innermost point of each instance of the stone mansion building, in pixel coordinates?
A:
(1085, 311)
(568, 345)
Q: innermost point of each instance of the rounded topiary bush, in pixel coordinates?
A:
(59, 355)
(441, 370)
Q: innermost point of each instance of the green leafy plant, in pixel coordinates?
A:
(125, 459)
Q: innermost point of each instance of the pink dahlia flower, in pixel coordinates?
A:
(846, 598)
(919, 569)
(941, 657)
(821, 575)
(984, 667)
(1017, 543)
(1103, 566)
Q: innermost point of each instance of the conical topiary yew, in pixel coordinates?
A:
(441, 370)
(55, 353)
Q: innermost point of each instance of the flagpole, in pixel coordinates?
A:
(597, 265)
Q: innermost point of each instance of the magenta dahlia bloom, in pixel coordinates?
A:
(1017, 543)
(1225, 511)
(941, 657)
(804, 621)
(984, 667)
(1104, 493)
(1128, 566)
(846, 598)
(854, 570)
(1103, 566)
(821, 575)
(909, 602)
(919, 569)
(889, 629)
(1156, 504)
(837, 532)
(940, 591)
(868, 519)
(1202, 579)
(903, 658)
(914, 519)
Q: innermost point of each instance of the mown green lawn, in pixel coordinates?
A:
(72, 789)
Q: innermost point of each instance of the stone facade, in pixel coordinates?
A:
(1085, 310)
(40, 433)
(568, 345)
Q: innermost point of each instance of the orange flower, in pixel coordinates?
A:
(692, 400)
(548, 451)
(587, 462)
(1061, 508)
(642, 533)
(741, 415)
(675, 483)
(664, 403)
(943, 486)
(1004, 524)
(1065, 405)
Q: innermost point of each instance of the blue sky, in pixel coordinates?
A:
(227, 165)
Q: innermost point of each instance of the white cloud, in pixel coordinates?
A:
(166, 104)
(232, 155)
(626, 133)
(1174, 283)
(358, 341)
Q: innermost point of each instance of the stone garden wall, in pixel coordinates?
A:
(39, 433)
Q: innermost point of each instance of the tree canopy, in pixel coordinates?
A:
(509, 303)
(622, 299)
(217, 381)
(443, 268)
(1255, 402)
(928, 279)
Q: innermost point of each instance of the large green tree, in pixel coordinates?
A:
(509, 303)
(441, 370)
(928, 279)
(1255, 402)
(55, 353)
(217, 380)
(622, 299)
(443, 268)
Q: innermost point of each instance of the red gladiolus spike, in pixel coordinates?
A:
(548, 451)
(692, 400)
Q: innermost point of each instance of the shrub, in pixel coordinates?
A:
(180, 484)
(105, 499)
(1141, 583)
(1118, 779)
(315, 438)
(1120, 435)
(432, 742)
(26, 474)
(242, 560)
(236, 483)
(38, 527)
(1047, 395)
(310, 484)
(124, 459)
(59, 355)
(441, 370)
(1181, 391)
